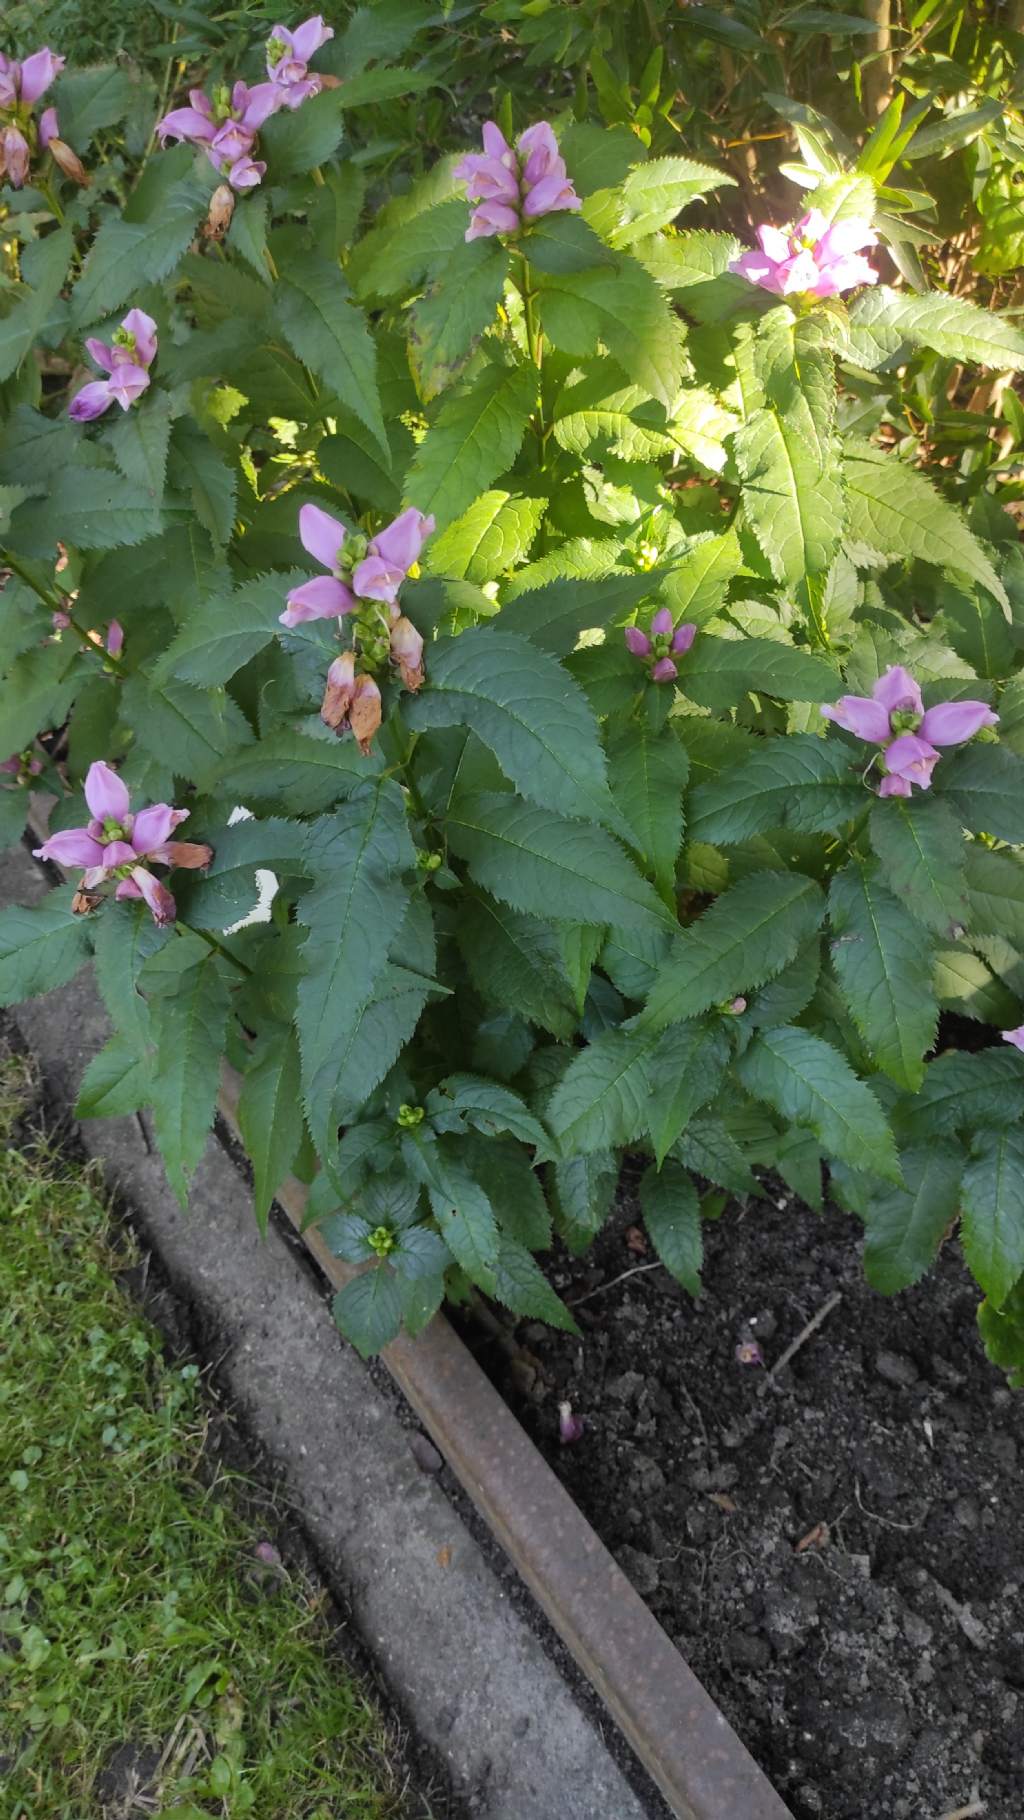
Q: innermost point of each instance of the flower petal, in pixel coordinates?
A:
(155, 825)
(898, 692)
(401, 542)
(105, 793)
(143, 328)
(376, 579)
(162, 905)
(949, 722)
(860, 715)
(1016, 1037)
(911, 758)
(38, 71)
(637, 641)
(321, 598)
(322, 535)
(118, 853)
(71, 847)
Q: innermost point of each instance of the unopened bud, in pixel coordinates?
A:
(69, 162)
(570, 1427)
(410, 1116)
(737, 1005)
(339, 691)
(748, 1352)
(222, 207)
(365, 713)
(407, 652)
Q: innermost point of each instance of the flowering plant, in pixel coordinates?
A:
(642, 768)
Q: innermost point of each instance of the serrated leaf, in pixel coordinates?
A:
(524, 706)
(40, 947)
(227, 889)
(515, 961)
(189, 730)
(116, 1082)
(896, 513)
(803, 782)
(686, 1072)
(652, 195)
(474, 438)
(378, 1029)
(494, 535)
(696, 586)
(964, 1090)
(393, 257)
(37, 691)
(985, 783)
(331, 336)
(291, 766)
(466, 1222)
(139, 441)
(300, 138)
(88, 99)
(28, 314)
(560, 870)
(89, 508)
(951, 326)
(353, 914)
(622, 306)
(554, 615)
(226, 630)
(209, 481)
(748, 934)
(447, 321)
(522, 1286)
(649, 771)
(964, 983)
(709, 1148)
(601, 1102)
(584, 1191)
(793, 503)
(718, 672)
(369, 1310)
(995, 889)
(921, 849)
(884, 968)
(463, 1100)
(671, 1210)
(125, 255)
(188, 1029)
(124, 938)
(270, 1115)
(810, 1083)
(992, 1211)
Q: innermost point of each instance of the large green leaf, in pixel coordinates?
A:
(226, 630)
(685, 1073)
(921, 849)
(331, 336)
(446, 323)
(94, 508)
(951, 326)
(515, 962)
(803, 782)
(895, 513)
(475, 437)
(696, 586)
(126, 255)
(793, 502)
(139, 441)
(190, 731)
(393, 257)
(209, 480)
(228, 888)
(810, 1083)
(117, 1081)
(601, 1102)
(520, 1283)
(622, 306)
(353, 914)
(749, 934)
(491, 537)
(188, 1028)
(541, 863)
(649, 771)
(651, 197)
(44, 274)
(671, 1210)
(583, 1193)
(719, 672)
(905, 1226)
(369, 1309)
(291, 765)
(963, 1090)
(992, 1223)
(986, 785)
(553, 616)
(270, 1115)
(41, 947)
(884, 967)
(995, 889)
(525, 707)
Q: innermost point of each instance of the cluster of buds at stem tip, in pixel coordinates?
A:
(126, 360)
(665, 643)
(22, 766)
(118, 845)
(21, 85)
(894, 717)
(513, 188)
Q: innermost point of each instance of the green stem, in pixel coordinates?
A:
(55, 208)
(535, 348)
(218, 947)
(57, 604)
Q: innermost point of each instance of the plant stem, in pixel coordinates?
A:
(535, 348)
(218, 947)
(57, 604)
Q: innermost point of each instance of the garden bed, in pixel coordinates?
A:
(837, 1549)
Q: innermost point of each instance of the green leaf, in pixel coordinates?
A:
(270, 1115)
(992, 1212)
(696, 587)
(810, 1083)
(793, 502)
(986, 786)
(40, 948)
(884, 968)
(300, 138)
(584, 1192)
(464, 1100)
(207, 478)
(369, 1310)
(38, 690)
(116, 1082)
(95, 509)
(227, 889)
(189, 730)
(708, 1147)
(466, 1221)
(563, 243)
(393, 257)
(124, 938)
(895, 513)
(28, 315)
(225, 631)
(951, 326)
(921, 849)
(671, 1210)
(804, 782)
(718, 672)
(963, 1090)
(89, 99)
(520, 1283)
(139, 441)
(293, 766)
(352, 460)
(378, 1029)
(492, 537)
(649, 771)
(541, 863)
(622, 306)
(475, 437)
(125, 255)
(353, 914)
(685, 1073)
(750, 933)
(331, 336)
(995, 890)
(602, 1100)
(651, 197)
(524, 706)
(188, 1029)
(447, 321)
(964, 983)
(515, 961)
(553, 616)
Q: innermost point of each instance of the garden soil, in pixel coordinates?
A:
(838, 1550)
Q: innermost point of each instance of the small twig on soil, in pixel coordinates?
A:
(601, 1287)
(965, 1813)
(875, 1518)
(804, 1335)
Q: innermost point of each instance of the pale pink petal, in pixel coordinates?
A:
(154, 826)
(894, 786)
(664, 670)
(308, 37)
(15, 156)
(911, 758)
(637, 642)
(661, 623)
(539, 147)
(260, 103)
(115, 638)
(401, 542)
(71, 847)
(322, 535)
(376, 579)
(37, 72)
(246, 173)
(549, 195)
(127, 383)
(321, 598)
(118, 853)
(186, 123)
(846, 236)
(756, 268)
(49, 126)
(683, 638)
(798, 275)
(1016, 1037)
(157, 896)
(897, 691)
(127, 888)
(105, 793)
(860, 715)
(496, 145)
(773, 243)
(143, 328)
(491, 218)
(101, 353)
(811, 226)
(950, 722)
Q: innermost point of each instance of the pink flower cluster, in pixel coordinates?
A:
(126, 359)
(227, 126)
(21, 85)
(816, 258)
(361, 574)
(117, 844)
(666, 642)
(894, 717)
(513, 187)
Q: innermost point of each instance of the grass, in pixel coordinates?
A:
(142, 1637)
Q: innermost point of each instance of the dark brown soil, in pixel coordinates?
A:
(838, 1551)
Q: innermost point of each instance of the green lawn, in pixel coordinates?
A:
(138, 1625)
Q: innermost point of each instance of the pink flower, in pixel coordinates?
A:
(117, 844)
(25, 82)
(570, 1427)
(1016, 1037)
(666, 642)
(894, 716)
(513, 187)
(326, 596)
(288, 55)
(815, 258)
(227, 127)
(14, 155)
(390, 555)
(126, 359)
(115, 638)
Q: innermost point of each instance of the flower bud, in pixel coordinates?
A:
(664, 670)
(115, 638)
(570, 1427)
(407, 652)
(683, 637)
(637, 642)
(339, 691)
(661, 624)
(365, 713)
(69, 162)
(222, 207)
